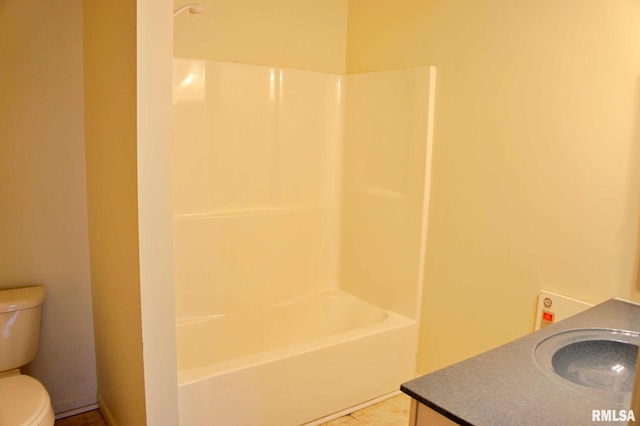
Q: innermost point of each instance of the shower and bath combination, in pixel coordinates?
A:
(299, 227)
(299, 231)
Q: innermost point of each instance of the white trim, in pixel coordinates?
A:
(106, 412)
(75, 411)
(426, 192)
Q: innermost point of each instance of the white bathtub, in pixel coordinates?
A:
(290, 364)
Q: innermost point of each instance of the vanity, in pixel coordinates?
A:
(579, 371)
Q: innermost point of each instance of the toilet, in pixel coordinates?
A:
(23, 400)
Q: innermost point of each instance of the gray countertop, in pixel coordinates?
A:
(505, 386)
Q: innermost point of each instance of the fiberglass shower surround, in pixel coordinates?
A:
(299, 228)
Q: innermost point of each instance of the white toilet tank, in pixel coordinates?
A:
(20, 310)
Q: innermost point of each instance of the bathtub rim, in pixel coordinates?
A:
(324, 293)
(194, 375)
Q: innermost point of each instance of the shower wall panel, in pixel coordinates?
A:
(256, 151)
(386, 182)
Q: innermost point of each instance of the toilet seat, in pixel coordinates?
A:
(24, 402)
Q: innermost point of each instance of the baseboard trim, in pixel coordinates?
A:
(70, 406)
(75, 411)
(106, 412)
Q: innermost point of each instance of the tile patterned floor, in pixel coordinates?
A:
(392, 412)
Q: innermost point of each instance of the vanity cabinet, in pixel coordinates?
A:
(421, 415)
(513, 384)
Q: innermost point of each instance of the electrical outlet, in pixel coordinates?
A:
(554, 307)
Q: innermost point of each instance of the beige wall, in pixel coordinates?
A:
(535, 177)
(110, 111)
(309, 34)
(127, 59)
(43, 221)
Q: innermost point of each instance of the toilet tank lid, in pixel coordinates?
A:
(15, 299)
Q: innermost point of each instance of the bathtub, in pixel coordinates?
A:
(294, 363)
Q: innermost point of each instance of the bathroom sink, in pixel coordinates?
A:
(601, 364)
(597, 361)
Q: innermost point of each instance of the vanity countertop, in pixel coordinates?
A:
(505, 386)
